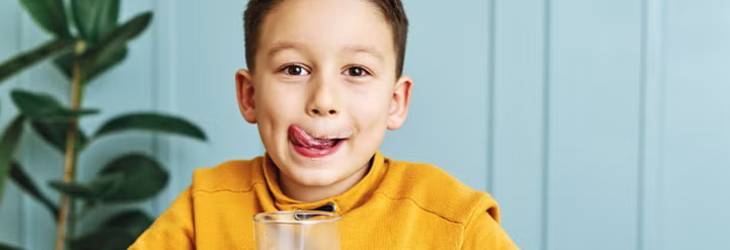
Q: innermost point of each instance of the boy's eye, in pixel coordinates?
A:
(295, 70)
(356, 71)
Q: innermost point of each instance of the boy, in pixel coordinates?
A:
(324, 83)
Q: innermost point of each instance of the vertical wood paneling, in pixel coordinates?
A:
(131, 78)
(208, 46)
(547, 26)
(650, 228)
(594, 82)
(447, 57)
(164, 66)
(134, 78)
(696, 157)
(41, 160)
(518, 117)
(11, 205)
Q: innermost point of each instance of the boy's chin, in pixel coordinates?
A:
(319, 177)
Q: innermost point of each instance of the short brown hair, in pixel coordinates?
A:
(392, 10)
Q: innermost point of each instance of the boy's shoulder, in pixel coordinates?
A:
(434, 190)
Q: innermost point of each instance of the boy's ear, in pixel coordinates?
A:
(399, 103)
(244, 95)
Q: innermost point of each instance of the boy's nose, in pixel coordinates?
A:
(316, 111)
(323, 101)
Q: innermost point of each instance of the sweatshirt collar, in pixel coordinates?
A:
(341, 204)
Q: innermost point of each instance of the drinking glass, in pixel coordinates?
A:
(297, 230)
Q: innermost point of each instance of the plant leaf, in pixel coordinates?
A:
(131, 177)
(4, 246)
(54, 133)
(143, 177)
(151, 122)
(103, 239)
(106, 185)
(109, 51)
(65, 63)
(117, 232)
(44, 107)
(110, 45)
(105, 63)
(75, 190)
(28, 58)
(97, 189)
(21, 178)
(8, 144)
(95, 18)
(49, 14)
(134, 221)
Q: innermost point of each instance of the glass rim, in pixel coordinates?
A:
(330, 217)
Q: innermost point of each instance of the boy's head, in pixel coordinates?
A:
(324, 84)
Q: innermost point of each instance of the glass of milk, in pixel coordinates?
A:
(297, 230)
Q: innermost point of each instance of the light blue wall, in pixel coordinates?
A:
(597, 124)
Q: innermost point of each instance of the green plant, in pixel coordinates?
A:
(84, 47)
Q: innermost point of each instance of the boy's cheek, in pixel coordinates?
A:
(280, 109)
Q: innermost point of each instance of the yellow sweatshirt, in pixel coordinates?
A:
(397, 205)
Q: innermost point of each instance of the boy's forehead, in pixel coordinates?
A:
(341, 26)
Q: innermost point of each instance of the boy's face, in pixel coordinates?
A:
(324, 69)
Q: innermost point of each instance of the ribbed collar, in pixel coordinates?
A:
(350, 199)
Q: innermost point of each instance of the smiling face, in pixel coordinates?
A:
(323, 92)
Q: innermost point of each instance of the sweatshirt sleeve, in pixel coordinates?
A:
(482, 231)
(174, 228)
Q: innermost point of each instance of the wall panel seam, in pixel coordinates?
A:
(641, 168)
(490, 96)
(23, 199)
(546, 122)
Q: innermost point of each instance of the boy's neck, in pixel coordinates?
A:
(306, 193)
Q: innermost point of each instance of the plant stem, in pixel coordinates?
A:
(70, 154)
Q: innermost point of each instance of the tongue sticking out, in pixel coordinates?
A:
(300, 138)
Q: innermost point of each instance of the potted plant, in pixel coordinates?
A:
(83, 47)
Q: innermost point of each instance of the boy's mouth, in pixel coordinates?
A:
(310, 146)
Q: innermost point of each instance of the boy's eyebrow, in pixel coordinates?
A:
(279, 46)
(352, 48)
